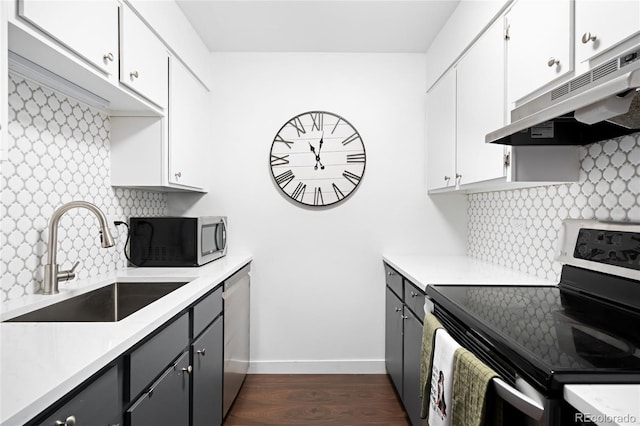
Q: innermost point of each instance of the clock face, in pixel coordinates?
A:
(317, 158)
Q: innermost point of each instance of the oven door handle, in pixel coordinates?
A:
(522, 402)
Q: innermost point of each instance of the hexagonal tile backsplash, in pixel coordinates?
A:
(58, 151)
(608, 189)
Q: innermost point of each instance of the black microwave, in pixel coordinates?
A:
(177, 241)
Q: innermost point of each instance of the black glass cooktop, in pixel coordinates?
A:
(553, 330)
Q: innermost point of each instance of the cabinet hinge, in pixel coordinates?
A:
(507, 159)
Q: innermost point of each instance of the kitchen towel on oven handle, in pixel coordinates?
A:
(466, 393)
(431, 324)
(474, 401)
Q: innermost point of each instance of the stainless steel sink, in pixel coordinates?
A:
(106, 304)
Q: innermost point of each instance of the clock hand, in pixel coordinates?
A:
(320, 147)
(317, 157)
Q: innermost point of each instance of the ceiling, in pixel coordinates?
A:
(317, 25)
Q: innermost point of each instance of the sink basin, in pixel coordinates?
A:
(106, 304)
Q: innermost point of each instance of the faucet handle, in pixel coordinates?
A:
(69, 274)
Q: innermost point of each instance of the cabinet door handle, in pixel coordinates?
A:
(108, 57)
(134, 74)
(447, 178)
(202, 351)
(587, 37)
(404, 317)
(70, 421)
(178, 175)
(414, 294)
(458, 178)
(398, 309)
(187, 370)
(553, 61)
(390, 273)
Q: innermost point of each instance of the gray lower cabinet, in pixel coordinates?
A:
(207, 376)
(411, 372)
(393, 339)
(167, 400)
(404, 315)
(98, 404)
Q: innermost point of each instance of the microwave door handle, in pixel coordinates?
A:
(518, 400)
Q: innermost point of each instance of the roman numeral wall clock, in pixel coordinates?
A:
(317, 158)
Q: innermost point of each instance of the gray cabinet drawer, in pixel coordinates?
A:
(206, 310)
(393, 279)
(98, 404)
(150, 359)
(167, 400)
(414, 299)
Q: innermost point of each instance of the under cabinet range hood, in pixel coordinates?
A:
(601, 104)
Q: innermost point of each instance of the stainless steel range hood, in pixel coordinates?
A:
(601, 104)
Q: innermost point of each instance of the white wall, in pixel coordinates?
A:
(317, 277)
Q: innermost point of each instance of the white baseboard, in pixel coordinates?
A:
(367, 366)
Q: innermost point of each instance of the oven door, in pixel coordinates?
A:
(524, 404)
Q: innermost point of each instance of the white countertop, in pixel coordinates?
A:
(41, 362)
(606, 405)
(424, 270)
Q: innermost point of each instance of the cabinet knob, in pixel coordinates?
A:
(108, 57)
(178, 175)
(134, 74)
(552, 61)
(390, 273)
(587, 37)
(398, 309)
(70, 421)
(404, 317)
(202, 351)
(187, 370)
(414, 294)
(458, 177)
(447, 178)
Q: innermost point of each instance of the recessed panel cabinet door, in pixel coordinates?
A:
(441, 133)
(167, 400)
(188, 126)
(393, 339)
(144, 61)
(539, 46)
(207, 376)
(411, 376)
(600, 24)
(480, 108)
(89, 28)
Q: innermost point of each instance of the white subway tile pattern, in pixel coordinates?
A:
(608, 189)
(58, 151)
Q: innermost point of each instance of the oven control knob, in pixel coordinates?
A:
(582, 249)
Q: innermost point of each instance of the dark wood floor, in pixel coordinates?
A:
(317, 399)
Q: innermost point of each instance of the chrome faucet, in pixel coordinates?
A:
(51, 274)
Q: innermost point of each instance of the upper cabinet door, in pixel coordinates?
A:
(189, 133)
(481, 108)
(144, 60)
(600, 24)
(539, 46)
(89, 28)
(441, 133)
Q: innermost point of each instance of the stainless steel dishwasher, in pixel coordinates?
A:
(236, 335)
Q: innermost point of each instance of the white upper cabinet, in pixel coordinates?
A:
(539, 48)
(441, 133)
(144, 60)
(189, 134)
(89, 28)
(480, 108)
(601, 24)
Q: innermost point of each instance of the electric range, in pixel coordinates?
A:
(585, 330)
